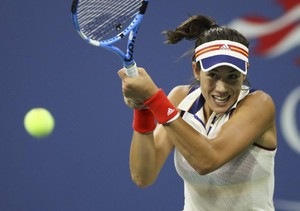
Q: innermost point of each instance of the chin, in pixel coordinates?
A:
(221, 109)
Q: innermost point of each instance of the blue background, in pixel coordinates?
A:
(83, 165)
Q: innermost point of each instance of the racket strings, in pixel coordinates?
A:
(99, 19)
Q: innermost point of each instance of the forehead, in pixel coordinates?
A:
(224, 69)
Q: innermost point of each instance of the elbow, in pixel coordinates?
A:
(205, 164)
(141, 181)
(204, 168)
(203, 171)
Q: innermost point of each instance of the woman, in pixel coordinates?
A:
(223, 132)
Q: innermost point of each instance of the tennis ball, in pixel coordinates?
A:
(39, 122)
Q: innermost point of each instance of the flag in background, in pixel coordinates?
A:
(274, 37)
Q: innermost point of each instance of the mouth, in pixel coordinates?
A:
(221, 100)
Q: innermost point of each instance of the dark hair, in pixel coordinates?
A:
(203, 29)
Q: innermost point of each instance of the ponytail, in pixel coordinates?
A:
(190, 29)
(203, 29)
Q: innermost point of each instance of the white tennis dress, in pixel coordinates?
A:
(243, 184)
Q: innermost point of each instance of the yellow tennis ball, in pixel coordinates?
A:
(39, 122)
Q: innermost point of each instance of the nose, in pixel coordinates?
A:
(221, 86)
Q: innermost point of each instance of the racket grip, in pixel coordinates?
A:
(132, 71)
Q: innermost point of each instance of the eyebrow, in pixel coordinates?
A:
(231, 70)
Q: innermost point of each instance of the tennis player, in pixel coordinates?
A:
(223, 131)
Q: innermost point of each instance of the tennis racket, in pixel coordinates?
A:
(103, 23)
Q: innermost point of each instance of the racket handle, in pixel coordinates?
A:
(132, 71)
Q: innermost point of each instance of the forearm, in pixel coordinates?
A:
(143, 166)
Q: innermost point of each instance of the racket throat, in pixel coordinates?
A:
(130, 49)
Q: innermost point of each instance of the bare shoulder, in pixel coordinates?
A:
(255, 116)
(260, 105)
(263, 113)
(260, 99)
(178, 93)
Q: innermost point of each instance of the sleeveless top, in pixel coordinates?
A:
(245, 183)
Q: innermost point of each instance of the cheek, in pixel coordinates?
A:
(205, 82)
(204, 88)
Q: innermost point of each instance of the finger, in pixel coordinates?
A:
(122, 73)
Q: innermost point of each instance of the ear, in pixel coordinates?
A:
(196, 70)
(245, 76)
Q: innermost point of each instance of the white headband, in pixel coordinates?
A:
(222, 52)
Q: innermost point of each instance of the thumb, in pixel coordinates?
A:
(122, 73)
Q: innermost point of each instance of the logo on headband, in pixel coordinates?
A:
(226, 47)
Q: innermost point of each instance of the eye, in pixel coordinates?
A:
(233, 76)
(212, 75)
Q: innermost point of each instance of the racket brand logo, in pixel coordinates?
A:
(130, 48)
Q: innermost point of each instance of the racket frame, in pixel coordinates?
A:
(131, 31)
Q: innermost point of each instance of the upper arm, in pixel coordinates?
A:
(253, 117)
(178, 93)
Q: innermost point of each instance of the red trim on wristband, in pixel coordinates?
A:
(162, 108)
(143, 121)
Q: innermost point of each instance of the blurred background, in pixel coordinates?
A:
(83, 165)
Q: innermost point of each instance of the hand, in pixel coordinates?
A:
(139, 88)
